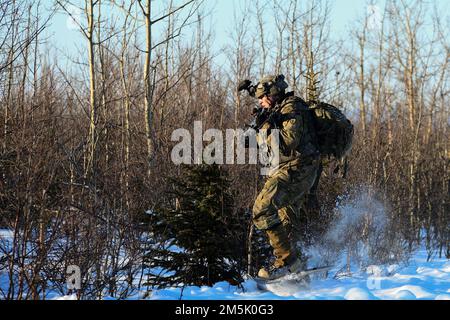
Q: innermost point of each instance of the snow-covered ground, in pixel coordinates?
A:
(417, 280)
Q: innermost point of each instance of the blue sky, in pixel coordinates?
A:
(342, 11)
(343, 14)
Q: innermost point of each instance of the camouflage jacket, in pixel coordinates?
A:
(297, 137)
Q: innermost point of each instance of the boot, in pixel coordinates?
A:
(277, 272)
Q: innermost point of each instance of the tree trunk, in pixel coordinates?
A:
(148, 108)
(92, 92)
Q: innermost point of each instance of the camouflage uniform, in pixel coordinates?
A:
(277, 209)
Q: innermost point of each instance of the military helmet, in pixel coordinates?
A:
(271, 85)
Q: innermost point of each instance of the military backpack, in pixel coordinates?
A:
(334, 131)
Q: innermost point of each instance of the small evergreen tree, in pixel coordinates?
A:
(202, 236)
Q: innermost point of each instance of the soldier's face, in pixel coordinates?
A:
(266, 102)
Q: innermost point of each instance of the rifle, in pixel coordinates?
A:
(262, 116)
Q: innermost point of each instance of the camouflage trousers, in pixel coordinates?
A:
(281, 203)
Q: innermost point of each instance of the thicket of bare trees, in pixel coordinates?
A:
(85, 155)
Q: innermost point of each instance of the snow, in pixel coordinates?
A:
(359, 294)
(377, 271)
(71, 297)
(418, 279)
(6, 233)
(405, 295)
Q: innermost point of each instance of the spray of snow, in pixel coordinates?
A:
(356, 233)
(361, 214)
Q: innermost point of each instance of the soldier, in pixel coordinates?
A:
(277, 209)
